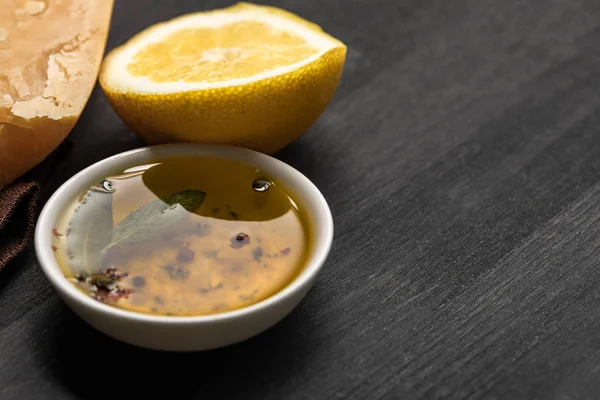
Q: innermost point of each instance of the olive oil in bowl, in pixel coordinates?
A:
(192, 235)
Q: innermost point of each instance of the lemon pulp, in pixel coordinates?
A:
(237, 50)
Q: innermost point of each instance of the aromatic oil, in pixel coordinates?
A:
(183, 236)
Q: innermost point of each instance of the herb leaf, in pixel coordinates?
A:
(150, 220)
(89, 231)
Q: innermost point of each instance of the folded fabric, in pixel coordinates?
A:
(18, 208)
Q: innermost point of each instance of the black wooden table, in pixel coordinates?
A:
(461, 161)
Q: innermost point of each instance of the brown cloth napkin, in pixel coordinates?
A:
(18, 207)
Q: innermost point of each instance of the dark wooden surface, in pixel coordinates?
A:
(461, 160)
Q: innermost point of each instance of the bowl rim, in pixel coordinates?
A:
(321, 217)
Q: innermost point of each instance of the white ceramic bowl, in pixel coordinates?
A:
(186, 333)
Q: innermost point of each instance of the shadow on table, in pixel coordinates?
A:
(308, 153)
(92, 365)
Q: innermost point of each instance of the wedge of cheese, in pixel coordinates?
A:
(50, 53)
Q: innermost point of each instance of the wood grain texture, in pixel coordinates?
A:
(461, 160)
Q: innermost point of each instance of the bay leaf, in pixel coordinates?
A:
(89, 231)
(152, 219)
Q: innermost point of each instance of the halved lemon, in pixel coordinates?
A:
(247, 75)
